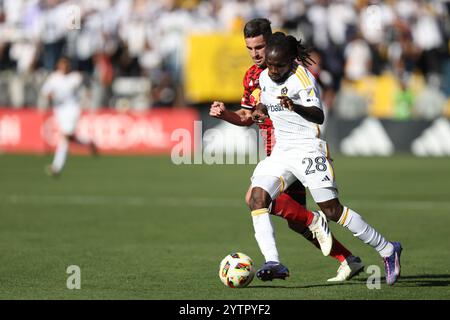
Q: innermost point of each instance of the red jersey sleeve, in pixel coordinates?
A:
(250, 99)
(250, 83)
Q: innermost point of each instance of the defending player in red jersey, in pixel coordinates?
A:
(291, 204)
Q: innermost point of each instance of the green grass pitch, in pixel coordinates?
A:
(143, 228)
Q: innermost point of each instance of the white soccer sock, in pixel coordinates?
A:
(264, 234)
(360, 229)
(60, 155)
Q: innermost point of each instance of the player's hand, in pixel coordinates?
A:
(286, 102)
(217, 109)
(259, 116)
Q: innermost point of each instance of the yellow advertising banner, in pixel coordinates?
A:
(215, 65)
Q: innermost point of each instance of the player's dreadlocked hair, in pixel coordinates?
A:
(293, 47)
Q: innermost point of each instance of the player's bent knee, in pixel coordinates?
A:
(271, 184)
(332, 209)
(259, 199)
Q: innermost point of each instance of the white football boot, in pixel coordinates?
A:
(51, 172)
(320, 231)
(349, 268)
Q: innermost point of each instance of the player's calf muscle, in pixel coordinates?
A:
(299, 228)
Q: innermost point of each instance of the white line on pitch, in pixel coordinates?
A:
(121, 200)
(99, 200)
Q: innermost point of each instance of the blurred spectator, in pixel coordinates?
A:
(403, 102)
(358, 57)
(102, 80)
(428, 38)
(118, 43)
(52, 32)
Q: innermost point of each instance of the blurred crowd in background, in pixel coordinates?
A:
(131, 51)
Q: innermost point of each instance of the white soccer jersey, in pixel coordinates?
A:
(291, 129)
(63, 88)
(299, 153)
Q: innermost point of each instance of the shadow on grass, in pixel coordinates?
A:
(304, 287)
(421, 280)
(425, 280)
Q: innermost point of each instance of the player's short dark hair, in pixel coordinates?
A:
(289, 44)
(258, 27)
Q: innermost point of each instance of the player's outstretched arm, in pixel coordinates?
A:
(311, 113)
(240, 117)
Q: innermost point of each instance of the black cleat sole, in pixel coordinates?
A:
(356, 273)
(269, 277)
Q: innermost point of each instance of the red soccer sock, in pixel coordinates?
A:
(338, 251)
(290, 209)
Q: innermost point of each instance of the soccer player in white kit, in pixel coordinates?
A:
(61, 91)
(290, 97)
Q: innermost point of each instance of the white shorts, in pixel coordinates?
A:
(67, 118)
(310, 165)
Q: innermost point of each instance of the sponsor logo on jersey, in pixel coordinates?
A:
(284, 91)
(275, 108)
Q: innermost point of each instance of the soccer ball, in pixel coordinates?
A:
(236, 270)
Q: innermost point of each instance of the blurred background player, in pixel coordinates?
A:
(290, 205)
(60, 90)
(291, 97)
